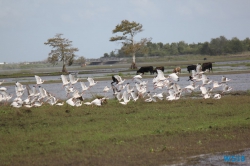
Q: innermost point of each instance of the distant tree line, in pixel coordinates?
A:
(217, 46)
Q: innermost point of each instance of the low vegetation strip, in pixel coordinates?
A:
(136, 134)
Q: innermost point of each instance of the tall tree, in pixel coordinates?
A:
(130, 46)
(62, 51)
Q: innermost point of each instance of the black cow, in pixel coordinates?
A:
(206, 66)
(191, 67)
(159, 68)
(146, 69)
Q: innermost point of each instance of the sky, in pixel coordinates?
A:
(25, 25)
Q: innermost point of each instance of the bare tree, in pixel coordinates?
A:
(61, 51)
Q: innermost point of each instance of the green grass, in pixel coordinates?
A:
(107, 135)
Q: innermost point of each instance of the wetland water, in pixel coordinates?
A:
(239, 82)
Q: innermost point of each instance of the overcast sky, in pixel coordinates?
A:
(26, 24)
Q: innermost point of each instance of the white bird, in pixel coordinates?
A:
(191, 87)
(123, 102)
(143, 83)
(76, 94)
(151, 98)
(216, 84)
(159, 95)
(141, 89)
(195, 76)
(205, 80)
(20, 87)
(106, 89)
(60, 104)
(16, 104)
(3, 89)
(203, 90)
(64, 80)
(129, 90)
(84, 87)
(31, 92)
(43, 92)
(91, 82)
(71, 101)
(159, 84)
(171, 96)
(18, 93)
(160, 76)
(174, 77)
(97, 102)
(69, 89)
(139, 76)
(72, 79)
(118, 79)
(126, 97)
(87, 103)
(118, 95)
(134, 95)
(198, 68)
(39, 80)
(177, 89)
(37, 104)
(27, 100)
(1, 82)
(226, 88)
(217, 96)
(52, 100)
(224, 79)
(28, 105)
(207, 96)
(18, 100)
(78, 103)
(5, 96)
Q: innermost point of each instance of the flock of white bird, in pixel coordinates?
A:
(169, 86)
(123, 92)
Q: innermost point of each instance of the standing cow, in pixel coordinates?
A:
(146, 69)
(206, 66)
(191, 67)
(159, 68)
(177, 70)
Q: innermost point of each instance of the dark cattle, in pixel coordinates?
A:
(159, 68)
(206, 66)
(191, 67)
(146, 69)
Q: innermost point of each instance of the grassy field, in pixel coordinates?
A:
(136, 134)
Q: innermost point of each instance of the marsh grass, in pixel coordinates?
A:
(136, 134)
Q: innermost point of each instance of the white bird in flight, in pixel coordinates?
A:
(91, 82)
(39, 80)
(72, 79)
(64, 80)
